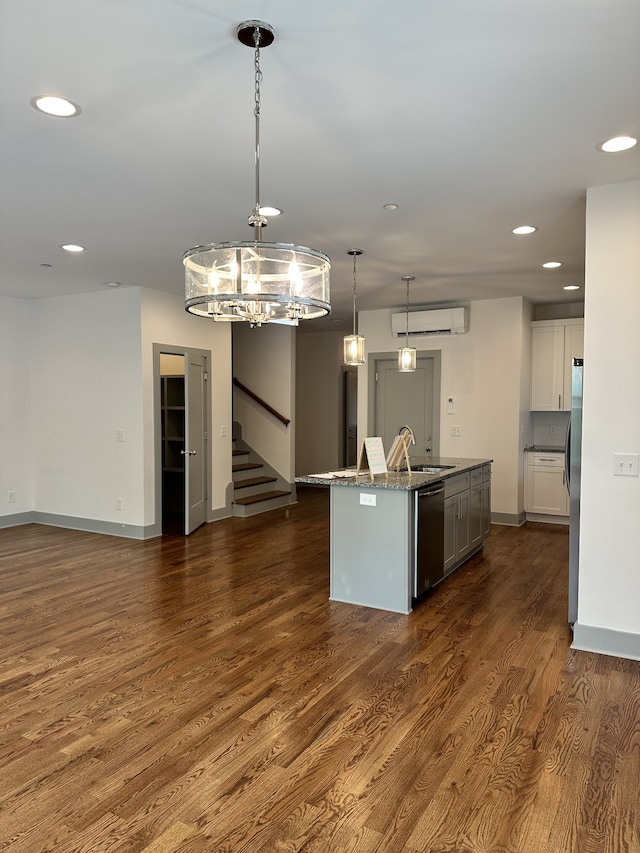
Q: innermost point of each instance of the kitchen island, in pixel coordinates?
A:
(381, 538)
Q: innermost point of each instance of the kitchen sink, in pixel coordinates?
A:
(430, 469)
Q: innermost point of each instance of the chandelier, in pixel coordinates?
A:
(354, 344)
(407, 354)
(253, 280)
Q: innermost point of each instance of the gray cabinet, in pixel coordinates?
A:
(457, 541)
(467, 515)
(486, 501)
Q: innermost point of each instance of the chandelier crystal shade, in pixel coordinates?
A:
(406, 354)
(253, 280)
(354, 344)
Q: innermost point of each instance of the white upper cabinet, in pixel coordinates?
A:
(554, 345)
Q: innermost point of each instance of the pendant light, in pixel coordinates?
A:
(407, 354)
(354, 344)
(252, 280)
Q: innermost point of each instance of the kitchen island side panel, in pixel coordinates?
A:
(371, 548)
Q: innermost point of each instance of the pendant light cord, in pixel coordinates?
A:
(406, 339)
(354, 292)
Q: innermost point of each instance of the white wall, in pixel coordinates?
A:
(16, 469)
(164, 321)
(78, 368)
(482, 371)
(319, 401)
(86, 383)
(264, 361)
(609, 587)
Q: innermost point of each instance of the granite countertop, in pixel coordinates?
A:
(401, 481)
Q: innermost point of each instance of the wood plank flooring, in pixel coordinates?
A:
(203, 694)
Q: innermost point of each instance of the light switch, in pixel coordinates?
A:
(625, 464)
(450, 406)
(456, 430)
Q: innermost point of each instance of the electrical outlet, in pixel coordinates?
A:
(367, 500)
(119, 504)
(11, 497)
(119, 435)
(223, 432)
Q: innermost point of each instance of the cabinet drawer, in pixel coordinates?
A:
(486, 473)
(453, 485)
(475, 477)
(549, 460)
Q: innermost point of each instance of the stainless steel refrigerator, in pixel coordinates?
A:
(573, 451)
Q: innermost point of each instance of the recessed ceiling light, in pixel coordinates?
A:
(53, 105)
(72, 247)
(551, 265)
(270, 211)
(617, 143)
(524, 229)
(390, 206)
(112, 283)
(571, 287)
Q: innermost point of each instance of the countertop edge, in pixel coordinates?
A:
(398, 481)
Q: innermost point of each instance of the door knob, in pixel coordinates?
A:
(188, 452)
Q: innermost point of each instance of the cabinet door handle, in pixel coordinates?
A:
(559, 401)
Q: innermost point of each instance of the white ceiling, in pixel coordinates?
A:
(474, 116)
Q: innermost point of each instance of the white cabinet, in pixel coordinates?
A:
(546, 484)
(554, 345)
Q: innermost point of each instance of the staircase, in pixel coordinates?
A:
(257, 487)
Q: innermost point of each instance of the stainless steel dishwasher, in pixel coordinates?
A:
(429, 562)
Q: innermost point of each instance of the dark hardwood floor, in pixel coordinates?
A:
(203, 694)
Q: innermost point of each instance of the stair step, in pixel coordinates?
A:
(246, 466)
(263, 496)
(253, 481)
(239, 452)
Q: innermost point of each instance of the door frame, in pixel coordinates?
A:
(374, 357)
(171, 349)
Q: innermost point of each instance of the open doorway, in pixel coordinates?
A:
(350, 410)
(182, 447)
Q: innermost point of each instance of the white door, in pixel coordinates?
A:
(405, 399)
(195, 451)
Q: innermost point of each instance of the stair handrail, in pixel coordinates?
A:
(261, 402)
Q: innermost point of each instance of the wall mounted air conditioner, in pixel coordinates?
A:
(435, 321)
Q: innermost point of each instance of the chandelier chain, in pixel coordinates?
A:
(256, 112)
(258, 72)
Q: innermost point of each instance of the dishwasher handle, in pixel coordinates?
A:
(431, 492)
